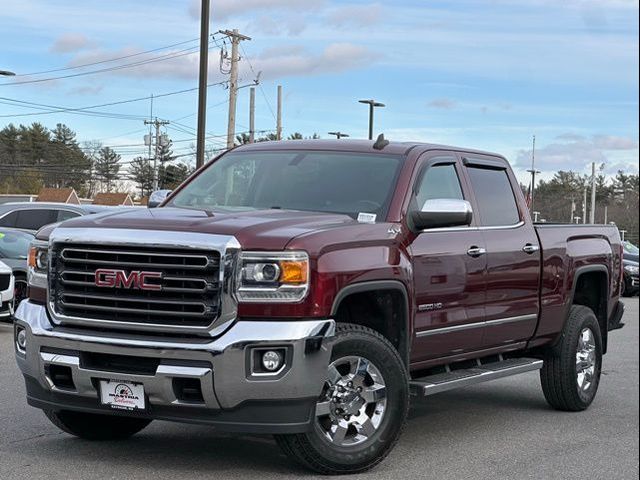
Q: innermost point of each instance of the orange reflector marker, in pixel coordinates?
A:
(294, 272)
(32, 257)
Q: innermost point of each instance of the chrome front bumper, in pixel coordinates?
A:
(6, 300)
(221, 365)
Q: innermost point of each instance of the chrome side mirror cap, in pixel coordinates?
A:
(441, 213)
(157, 197)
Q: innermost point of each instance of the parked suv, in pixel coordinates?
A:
(14, 248)
(6, 292)
(32, 216)
(309, 289)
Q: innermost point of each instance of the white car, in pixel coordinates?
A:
(6, 292)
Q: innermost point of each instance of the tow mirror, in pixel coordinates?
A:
(157, 197)
(442, 212)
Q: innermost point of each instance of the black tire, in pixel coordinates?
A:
(315, 452)
(559, 374)
(91, 426)
(625, 289)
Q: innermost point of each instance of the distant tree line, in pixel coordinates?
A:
(555, 199)
(32, 157)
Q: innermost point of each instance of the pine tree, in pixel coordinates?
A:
(107, 166)
(141, 172)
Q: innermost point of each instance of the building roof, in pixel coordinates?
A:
(58, 195)
(112, 199)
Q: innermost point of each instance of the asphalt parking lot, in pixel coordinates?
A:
(499, 430)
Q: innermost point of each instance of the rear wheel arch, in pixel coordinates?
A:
(591, 289)
(382, 305)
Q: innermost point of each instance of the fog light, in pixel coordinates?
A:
(271, 361)
(21, 339)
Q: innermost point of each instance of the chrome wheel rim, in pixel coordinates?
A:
(586, 359)
(353, 402)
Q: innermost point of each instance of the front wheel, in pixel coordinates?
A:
(362, 409)
(91, 426)
(571, 372)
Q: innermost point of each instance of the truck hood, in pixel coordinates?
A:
(256, 229)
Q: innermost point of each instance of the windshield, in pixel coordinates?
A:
(337, 182)
(630, 248)
(14, 244)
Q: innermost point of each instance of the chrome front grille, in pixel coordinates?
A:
(101, 283)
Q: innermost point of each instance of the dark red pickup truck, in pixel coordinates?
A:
(308, 289)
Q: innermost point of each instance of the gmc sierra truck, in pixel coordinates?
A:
(310, 289)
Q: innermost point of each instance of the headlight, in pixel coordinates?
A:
(273, 276)
(38, 263)
(633, 269)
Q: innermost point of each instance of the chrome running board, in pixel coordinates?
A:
(451, 379)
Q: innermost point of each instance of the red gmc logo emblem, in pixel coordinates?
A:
(120, 279)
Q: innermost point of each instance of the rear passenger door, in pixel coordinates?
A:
(36, 218)
(513, 253)
(449, 279)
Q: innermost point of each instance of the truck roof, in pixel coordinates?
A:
(363, 146)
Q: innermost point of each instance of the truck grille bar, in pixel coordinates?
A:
(186, 285)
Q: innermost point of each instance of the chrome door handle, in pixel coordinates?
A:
(476, 251)
(528, 248)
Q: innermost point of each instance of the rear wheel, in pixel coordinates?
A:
(571, 372)
(91, 426)
(362, 408)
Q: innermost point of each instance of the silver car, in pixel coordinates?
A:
(32, 216)
(14, 249)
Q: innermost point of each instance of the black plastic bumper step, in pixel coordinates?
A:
(441, 382)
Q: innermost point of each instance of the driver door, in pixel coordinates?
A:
(449, 269)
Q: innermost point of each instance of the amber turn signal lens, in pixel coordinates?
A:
(33, 252)
(294, 271)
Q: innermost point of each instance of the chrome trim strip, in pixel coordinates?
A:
(226, 245)
(474, 229)
(469, 326)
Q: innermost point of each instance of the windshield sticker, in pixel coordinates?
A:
(1, 235)
(366, 217)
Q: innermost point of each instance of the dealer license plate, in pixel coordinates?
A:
(122, 395)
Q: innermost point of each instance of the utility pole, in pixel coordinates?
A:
(202, 82)
(252, 114)
(573, 210)
(339, 134)
(372, 104)
(235, 38)
(584, 206)
(533, 173)
(279, 115)
(157, 123)
(592, 214)
(606, 214)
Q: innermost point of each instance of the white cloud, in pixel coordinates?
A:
(442, 103)
(356, 15)
(70, 42)
(222, 10)
(299, 61)
(86, 90)
(575, 152)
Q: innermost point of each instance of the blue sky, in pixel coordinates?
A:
(483, 74)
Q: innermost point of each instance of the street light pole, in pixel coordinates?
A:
(339, 135)
(372, 104)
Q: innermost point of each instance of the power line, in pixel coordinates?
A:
(179, 53)
(266, 99)
(80, 110)
(62, 69)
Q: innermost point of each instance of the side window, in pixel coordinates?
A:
(438, 181)
(9, 220)
(36, 218)
(66, 215)
(494, 197)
